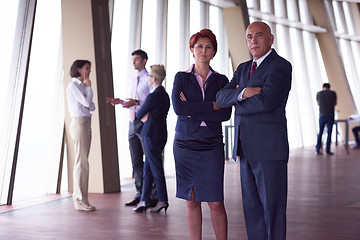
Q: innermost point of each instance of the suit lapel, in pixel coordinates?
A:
(194, 81)
(252, 81)
(267, 60)
(210, 80)
(193, 78)
(245, 75)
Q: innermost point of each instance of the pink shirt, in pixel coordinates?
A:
(202, 86)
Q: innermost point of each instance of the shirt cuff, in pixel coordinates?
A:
(240, 98)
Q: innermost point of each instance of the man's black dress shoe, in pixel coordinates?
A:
(329, 153)
(133, 202)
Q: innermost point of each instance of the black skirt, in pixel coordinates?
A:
(199, 161)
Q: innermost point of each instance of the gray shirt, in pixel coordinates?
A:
(327, 101)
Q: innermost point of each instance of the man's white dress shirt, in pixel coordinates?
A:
(143, 88)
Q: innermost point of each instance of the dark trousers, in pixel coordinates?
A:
(137, 149)
(154, 170)
(356, 131)
(136, 143)
(327, 120)
(264, 193)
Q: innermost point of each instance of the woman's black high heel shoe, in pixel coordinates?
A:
(141, 208)
(161, 206)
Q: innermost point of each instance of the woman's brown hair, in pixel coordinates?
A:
(77, 64)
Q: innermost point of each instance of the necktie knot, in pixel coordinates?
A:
(253, 67)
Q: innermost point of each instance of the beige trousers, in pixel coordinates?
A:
(80, 130)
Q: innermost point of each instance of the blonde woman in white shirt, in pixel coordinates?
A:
(80, 102)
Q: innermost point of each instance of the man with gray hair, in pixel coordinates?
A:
(259, 91)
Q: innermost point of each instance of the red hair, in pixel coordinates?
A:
(205, 33)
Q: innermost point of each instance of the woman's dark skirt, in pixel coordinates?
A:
(199, 161)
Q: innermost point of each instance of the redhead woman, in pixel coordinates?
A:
(198, 144)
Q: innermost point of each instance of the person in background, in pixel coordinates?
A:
(259, 91)
(153, 113)
(198, 144)
(139, 91)
(80, 103)
(326, 100)
(356, 131)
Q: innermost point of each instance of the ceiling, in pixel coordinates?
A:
(223, 3)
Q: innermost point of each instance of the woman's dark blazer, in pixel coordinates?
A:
(195, 109)
(157, 104)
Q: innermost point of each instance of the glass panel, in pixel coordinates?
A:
(173, 42)
(64, 175)
(349, 49)
(194, 17)
(171, 69)
(148, 33)
(214, 26)
(120, 61)
(8, 15)
(43, 119)
(194, 23)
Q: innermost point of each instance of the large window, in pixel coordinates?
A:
(148, 31)
(43, 117)
(348, 44)
(8, 16)
(121, 60)
(299, 45)
(32, 103)
(195, 22)
(172, 67)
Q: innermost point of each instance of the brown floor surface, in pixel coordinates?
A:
(323, 204)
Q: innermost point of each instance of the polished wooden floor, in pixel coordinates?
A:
(323, 204)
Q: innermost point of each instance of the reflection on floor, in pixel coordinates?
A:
(323, 204)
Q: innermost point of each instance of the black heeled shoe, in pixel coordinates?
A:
(158, 208)
(141, 208)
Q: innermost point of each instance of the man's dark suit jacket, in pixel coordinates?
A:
(261, 118)
(196, 109)
(157, 104)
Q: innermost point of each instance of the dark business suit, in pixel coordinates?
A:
(199, 150)
(154, 131)
(263, 149)
(196, 109)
